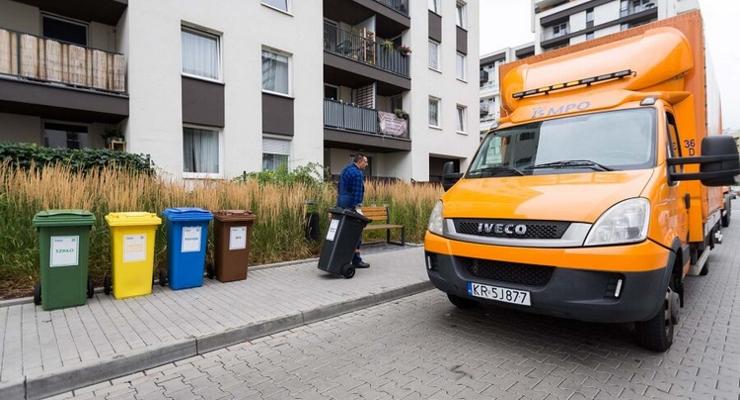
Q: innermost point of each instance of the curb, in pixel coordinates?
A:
(120, 365)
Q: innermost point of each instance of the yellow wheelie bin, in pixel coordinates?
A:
(132, 253)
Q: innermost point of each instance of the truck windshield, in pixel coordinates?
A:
(615, 140)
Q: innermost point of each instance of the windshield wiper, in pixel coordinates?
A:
(494, 170)
(572, 164)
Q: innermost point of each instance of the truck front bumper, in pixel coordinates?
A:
(581, 294)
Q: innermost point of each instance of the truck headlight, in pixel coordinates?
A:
(436, 222)
(625, 222)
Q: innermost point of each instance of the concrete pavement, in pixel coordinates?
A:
(45, 353)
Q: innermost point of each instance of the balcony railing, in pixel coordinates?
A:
(550, 34)
(364, 49)
(401, 6)
(627, 11)
(363, 120)
(41, 59)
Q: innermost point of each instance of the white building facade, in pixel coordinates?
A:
(211, 91)
(559, 23)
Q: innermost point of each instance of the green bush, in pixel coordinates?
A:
(309, 175)
(23, 156)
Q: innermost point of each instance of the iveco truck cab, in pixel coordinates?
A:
(600, 190)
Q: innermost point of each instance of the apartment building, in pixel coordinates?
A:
(490, 97)
(559, 23)
(211, 92)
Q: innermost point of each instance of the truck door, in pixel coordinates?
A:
(680, 212)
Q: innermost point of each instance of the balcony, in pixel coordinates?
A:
(54, 78)
(631, 10)
(348, 125)
(365, 49)
(400, 6)
(550, 34)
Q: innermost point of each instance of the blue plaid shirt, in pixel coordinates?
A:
(351, 187)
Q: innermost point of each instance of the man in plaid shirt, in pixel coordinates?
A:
(351, 193)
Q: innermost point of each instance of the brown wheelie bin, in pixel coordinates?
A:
(232, 230)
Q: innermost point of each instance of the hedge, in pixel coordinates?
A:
(23, 156)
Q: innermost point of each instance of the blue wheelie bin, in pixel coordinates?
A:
(187, 240)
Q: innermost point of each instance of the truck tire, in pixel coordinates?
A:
(656, 334)
(728, 214)
(461, 302)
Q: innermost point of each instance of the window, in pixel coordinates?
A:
(434, 5)
(201, 150)
(63, 136)
(434, 106)
(201, 54)
(275, 153)
(461, 114)
(674, 149)
(281, 5)
(589, 36)
(462, 15)
(560, 29)
(434, 55)
(275, 72)
(331, 92)
(64, 29)
(461, 66)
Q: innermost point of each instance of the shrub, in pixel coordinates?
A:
(309, 175)
(24, 156)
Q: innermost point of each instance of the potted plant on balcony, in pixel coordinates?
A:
(401, 114)
(114, 138)
(405, 50)
(387, 45)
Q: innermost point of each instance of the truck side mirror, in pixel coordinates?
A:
(449, 175)
(719, 162)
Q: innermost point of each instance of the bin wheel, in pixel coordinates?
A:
(90, 289)
(162, 278)
(37, 294)
(348, 272)
(106, 284)
(210, 273)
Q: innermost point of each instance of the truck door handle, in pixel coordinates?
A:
(687, 201)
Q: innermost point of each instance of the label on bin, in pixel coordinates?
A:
(238, 238)
(65, 251)
(332, 230)
(134, 248)
(190, 239)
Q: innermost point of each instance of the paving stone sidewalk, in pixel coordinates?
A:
(43, 353)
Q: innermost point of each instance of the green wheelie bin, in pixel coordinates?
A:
(64, 247)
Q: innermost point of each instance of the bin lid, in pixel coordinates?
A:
(234, 215)
(136, 218)
(63, 218)
(187, 214)
(350, 213)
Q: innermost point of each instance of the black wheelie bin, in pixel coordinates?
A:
(345, 231)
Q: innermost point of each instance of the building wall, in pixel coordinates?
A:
(154, 51)
(427, 141)
(20, 128)
(20, 17)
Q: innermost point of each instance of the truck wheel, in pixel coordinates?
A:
(348, 272)
(728, 215)
(106, 284)
(656, 334)
(461, 302)
(90, 289)
(37, 294)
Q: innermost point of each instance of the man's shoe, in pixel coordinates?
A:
(361, 264)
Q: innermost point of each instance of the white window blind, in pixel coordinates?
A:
(433, 111)
(200, 54)
(275, 146)
(201, 150)
(461, 66)
(433, 54)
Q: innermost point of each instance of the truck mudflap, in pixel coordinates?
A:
(585, 295)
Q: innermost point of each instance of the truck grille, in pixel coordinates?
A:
(501, 271)
(534, 229)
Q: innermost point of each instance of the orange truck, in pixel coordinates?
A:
(601, 189)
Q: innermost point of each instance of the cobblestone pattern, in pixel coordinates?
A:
(422, 347)
(34, 342)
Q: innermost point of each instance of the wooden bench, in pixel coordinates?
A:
(382, 217)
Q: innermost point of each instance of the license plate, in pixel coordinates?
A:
(497, 293)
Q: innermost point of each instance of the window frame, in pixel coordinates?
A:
(289, 56)
(288, 7)
(461, 15)
(438, 45)
(463, 120)
(205, 175)
(439, 112)
(464, 77)
(275, 137)
(433, 6)
(197, 30)
(670, 120)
